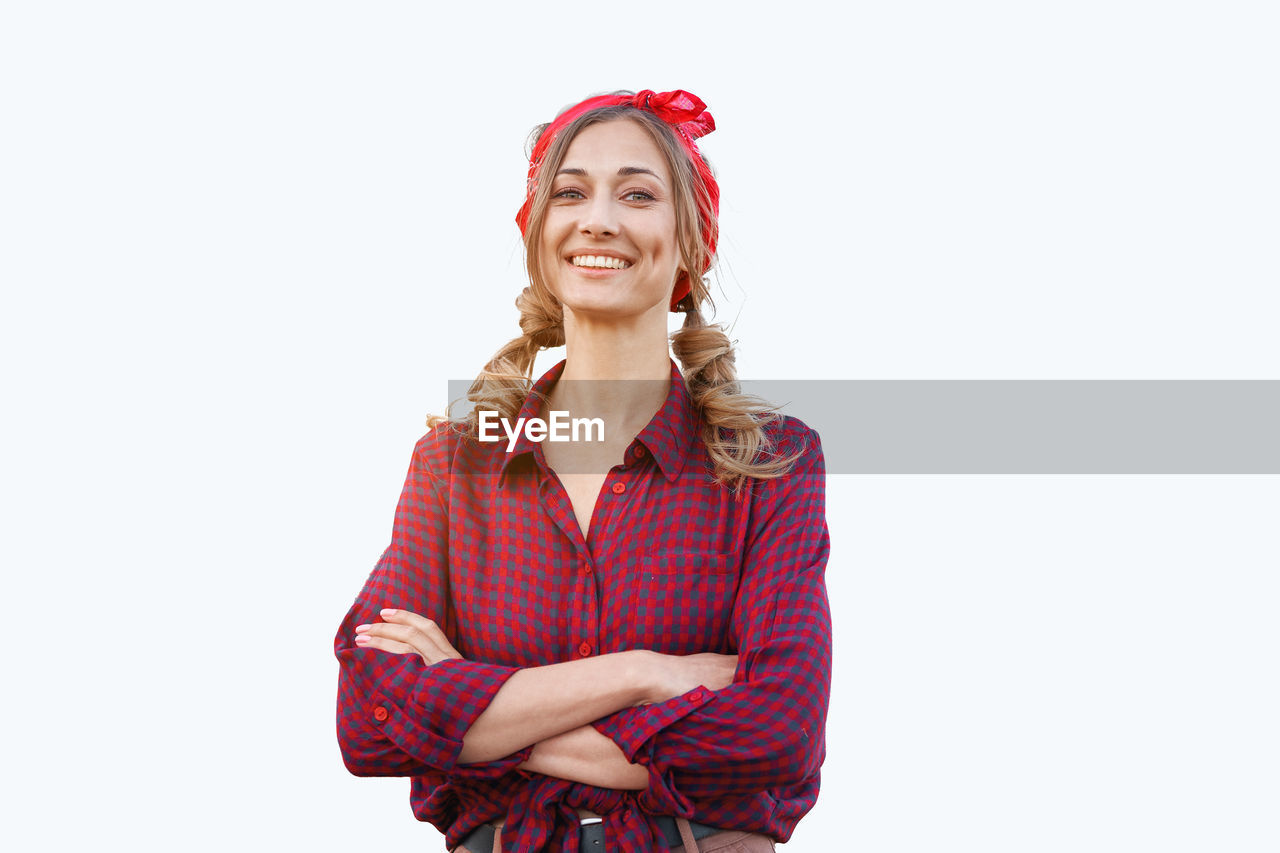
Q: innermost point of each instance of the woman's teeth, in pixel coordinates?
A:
(600, 261)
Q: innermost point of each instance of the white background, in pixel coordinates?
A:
(244, 246)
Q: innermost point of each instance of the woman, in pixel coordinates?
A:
(623, 640)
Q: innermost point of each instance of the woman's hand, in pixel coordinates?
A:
(402, 632)
(675, 675)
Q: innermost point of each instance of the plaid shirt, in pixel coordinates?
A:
(486, 543)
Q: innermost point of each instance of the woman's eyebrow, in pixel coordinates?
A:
(625, 171)
(638, 170)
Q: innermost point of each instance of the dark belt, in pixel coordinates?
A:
(591, 835)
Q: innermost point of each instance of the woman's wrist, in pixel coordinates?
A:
(584, 755)
(649, 675)
(659, 677)
(538, 702)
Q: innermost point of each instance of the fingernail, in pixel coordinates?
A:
(362, 639)
(360, 629)
(389, 612)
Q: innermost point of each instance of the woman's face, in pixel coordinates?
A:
(608, 244)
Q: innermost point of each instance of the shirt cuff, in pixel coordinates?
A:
(426, 710)
(632, 728)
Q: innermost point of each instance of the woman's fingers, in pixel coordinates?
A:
(423, 625)
(402, 632)
(399, 639)
(367, 641)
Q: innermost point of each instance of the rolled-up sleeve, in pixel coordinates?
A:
(767, 729)
(396, 715)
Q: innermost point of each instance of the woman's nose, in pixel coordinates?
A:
(599, 217)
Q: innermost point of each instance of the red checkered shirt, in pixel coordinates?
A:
(486, 543)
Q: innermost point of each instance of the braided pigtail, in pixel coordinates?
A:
(733, 423)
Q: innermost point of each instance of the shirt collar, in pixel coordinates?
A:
(669, 436)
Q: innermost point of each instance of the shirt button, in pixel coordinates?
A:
(619, 488)
(638, 452)
(696, 696)
(586, 569)
(584, 649)
(380, 713)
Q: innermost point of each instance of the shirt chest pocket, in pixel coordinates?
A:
(682, 600)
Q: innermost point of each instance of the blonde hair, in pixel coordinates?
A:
(733, 423)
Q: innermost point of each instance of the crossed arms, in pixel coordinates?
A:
(552, 706)
(677, 726)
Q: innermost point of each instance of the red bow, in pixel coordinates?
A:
(683, 111)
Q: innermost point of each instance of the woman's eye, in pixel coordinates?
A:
(639, 195)
(568, 193)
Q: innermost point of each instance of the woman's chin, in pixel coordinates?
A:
(604, 308)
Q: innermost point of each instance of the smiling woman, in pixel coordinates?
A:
(607, 246)
(615, 645)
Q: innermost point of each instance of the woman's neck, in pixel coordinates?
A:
(621, 376)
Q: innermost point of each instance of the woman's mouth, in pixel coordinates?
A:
(600, 262)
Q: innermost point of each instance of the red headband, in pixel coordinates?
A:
(688, 116)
